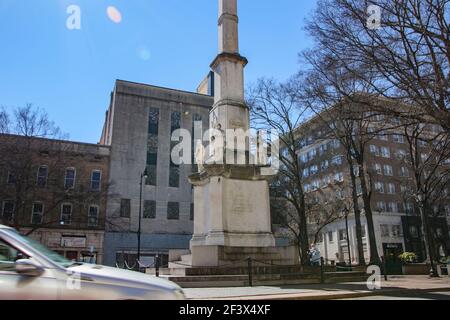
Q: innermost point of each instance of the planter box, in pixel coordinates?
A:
(416, 269)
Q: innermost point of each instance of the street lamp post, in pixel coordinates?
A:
(346, 212)
(143, 175)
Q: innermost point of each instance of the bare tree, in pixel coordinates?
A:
(428, 158)
(32, 141)
(404, 56)
(274, 107)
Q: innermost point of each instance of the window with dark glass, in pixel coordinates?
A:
(42, 176)
(173, 211)
(125, 208)
(8, 210)
(192, 212)
(153, 121)
(37, 213)
(93, 216)
(174, 169)
(69, 179)
(66, 214)
(11, 178)
(196, 130)
(96, 178)
(152, 147)
(149, 209)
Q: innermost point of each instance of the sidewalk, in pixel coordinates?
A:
(394, 285)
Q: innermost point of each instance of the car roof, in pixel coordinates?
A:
(5, 227)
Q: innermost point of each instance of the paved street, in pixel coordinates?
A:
(396, 288)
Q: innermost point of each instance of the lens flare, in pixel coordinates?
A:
(143, 53)
(114, 14)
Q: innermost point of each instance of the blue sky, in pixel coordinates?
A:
(170, 43)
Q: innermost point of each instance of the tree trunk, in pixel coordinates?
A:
(374, 256)
(428, 238)
(357, 213)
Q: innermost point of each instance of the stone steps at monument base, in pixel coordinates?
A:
(264, 280)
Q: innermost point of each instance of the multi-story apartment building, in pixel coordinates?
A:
(395, 214)
(55, 192)
(138, 128)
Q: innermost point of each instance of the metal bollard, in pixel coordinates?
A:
(322, 273)
(249, 269)
(157, 266)
(384, 268)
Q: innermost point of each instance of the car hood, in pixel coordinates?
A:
(122, 277)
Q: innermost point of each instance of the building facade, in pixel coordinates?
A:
(55, 192)
(396, 217)
(139, 126)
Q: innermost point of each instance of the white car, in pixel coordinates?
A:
(30, 271)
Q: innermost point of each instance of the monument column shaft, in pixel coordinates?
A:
(228, 26)
(229, 110)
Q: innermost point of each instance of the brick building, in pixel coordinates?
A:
(55, 192)
(396, 217)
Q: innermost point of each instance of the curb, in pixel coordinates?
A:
(303, 297)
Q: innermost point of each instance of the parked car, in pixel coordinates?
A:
(30, 271)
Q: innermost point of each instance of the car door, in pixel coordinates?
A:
(14, 286)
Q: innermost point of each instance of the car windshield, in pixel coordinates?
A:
(49, 254)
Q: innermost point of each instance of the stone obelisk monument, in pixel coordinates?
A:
(231, 200)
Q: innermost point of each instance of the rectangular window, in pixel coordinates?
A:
(379, 187)
(400, 154)
(152, 147)
(153, 122)
(174, 175)
(381, 206)
(388, 171)
(173, 211)
(314, 169)
(339, 177)
(66, 214)
(337, 160)
(377, 169)
(42, 176)
(404, 172)
(374, 150)
(398, 138)
(174, 170)
(330, 236)
(391, 188)
(409, 208)
(342, 235)
(385, 153)
(93, 216)
(382, 135)
(125, 208)
(38, 213)
(96, 179)
(149, 209)
(325, 165)
(392, 207)
(8, 210)
(397, 231)
(306, 173)
(69, 179)
(384, 230)
(11, 178)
